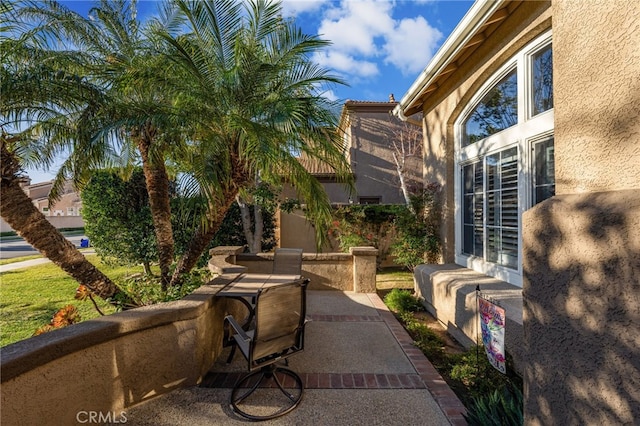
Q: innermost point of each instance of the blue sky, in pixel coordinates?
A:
(379, 47)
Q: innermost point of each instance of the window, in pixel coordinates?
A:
(498, 110)
(505, 161)
(544, 182)
(542, 81)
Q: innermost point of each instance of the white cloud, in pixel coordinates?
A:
(345, 63)
(364, 31)
(329, 94)
(411, 45)
(296, 7)
(354, 25)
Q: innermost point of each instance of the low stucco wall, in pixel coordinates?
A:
(449, 293)
(582, 309)
(354, 271)
(109, 364)
(106, 365)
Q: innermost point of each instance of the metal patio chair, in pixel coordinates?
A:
(287, 261)
(278, 333)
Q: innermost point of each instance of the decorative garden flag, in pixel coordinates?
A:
(492, 320)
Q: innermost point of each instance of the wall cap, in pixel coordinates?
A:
(363, 251)
(25, 355)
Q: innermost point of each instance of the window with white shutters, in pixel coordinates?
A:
(505, 158)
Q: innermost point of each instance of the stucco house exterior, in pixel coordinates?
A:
(531, 124)
(65, 213)
(368, 130)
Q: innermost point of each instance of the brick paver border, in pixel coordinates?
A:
(426, 376)
(447, 400)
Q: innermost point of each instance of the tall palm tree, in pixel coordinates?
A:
(26, 73)
(20, 213)
(115, 55)
(255, 102)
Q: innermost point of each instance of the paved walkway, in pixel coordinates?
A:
(359, 368)
(33, 262)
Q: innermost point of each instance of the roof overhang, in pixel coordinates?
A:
(470, 32)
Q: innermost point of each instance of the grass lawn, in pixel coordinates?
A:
(389, 278)
(29, 297)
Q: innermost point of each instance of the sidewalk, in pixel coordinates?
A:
(23, 264)
(359, 368)
(32, 262)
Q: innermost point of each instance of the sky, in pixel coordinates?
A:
(379, 47)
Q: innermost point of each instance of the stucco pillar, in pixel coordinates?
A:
(581, 294)
(223, 259)
(364, 269)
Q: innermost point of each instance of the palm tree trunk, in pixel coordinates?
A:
(157, 181)
(245, 215)
(258, 229)
(20, 213)
(203, 237)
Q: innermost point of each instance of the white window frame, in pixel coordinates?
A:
(529, 130)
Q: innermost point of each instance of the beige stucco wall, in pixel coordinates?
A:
(581, 248)
(371, 155)
(596, 54)
(582, 309)
(443, 107)
(57, 221)
(354, 271)
(114, 362)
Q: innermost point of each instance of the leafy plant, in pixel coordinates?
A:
(118, 218)
(147, 289)
(62, 318)
(474, 370)
(470, 375)
(499, 408)
(400, 301)
(365, 225)
(417, 240)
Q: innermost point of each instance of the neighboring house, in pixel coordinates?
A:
(368, 130)
(532, 126)
(65, 213)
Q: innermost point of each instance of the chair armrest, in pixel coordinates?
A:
(237, 328)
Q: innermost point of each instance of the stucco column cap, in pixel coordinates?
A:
(363, 251)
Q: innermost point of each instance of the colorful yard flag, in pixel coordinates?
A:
(492, 320)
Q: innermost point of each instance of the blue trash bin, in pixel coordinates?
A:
(84, 242)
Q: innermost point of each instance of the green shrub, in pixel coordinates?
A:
(474, 370)
(499, 408)
(418, 230)
(147, 289)
(402, 301)
(365, 225)
(425, 339)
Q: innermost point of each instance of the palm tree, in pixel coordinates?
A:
(255, 103)
(26, 73)
(20, 213)
(113, 53)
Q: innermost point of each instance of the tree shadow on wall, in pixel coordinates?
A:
(582, 309)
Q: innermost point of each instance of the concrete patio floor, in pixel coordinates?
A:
(359, 367)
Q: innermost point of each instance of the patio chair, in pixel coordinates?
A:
(278, 333)
(287, 261)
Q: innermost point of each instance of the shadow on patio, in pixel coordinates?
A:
(359, 367)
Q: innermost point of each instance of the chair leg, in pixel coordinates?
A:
(231, 353)
(268, 372)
